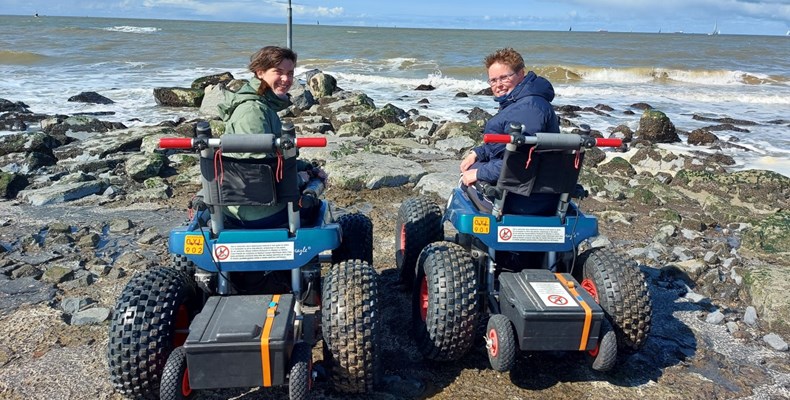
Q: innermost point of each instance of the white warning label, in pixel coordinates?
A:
(553, 294)
(532, 234)
(237, 252)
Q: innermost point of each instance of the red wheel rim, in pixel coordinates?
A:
(402, 238)
(181, 326)
(590, 287)
(424, 298)
(186, 390)
(493, 349)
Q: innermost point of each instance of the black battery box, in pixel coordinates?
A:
(241, 341)
(549, 311)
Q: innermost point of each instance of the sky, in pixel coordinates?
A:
(760, 17)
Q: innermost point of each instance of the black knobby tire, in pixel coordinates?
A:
(300, 378)
(621, 291)
(445, 306)
(180, 262)
(149, 321)
(357, 240)
(350, 322)
(501, 343)
(604, 356)
(175, 377)
(419, 224)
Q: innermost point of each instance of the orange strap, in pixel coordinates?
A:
(587, 310)
(266, 369)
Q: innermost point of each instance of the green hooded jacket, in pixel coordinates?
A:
(245, 112)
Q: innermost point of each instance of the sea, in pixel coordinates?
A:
(45, 60)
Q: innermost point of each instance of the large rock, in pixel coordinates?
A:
(99, 147)
(62, 192)
(11, 184)
(178, 96)
(770, 234)
(322, 85)
(213, 96)
(212, 80)
(372, 171)
(90, 97)
(656, 127)
(768, 286)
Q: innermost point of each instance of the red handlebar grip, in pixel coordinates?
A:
(175, 143)
(496, 138)
(311, 142)
(601, 142)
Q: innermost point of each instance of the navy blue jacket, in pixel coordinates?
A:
(528, 104)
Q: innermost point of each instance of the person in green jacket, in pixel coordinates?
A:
(253, 109)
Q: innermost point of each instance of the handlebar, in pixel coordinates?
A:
(553, 141)
(311, 142)
(242, 143)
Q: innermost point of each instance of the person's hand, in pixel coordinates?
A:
(469, 177)
(468, 161)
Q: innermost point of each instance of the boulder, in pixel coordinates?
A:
(178, 97)
(322, 85)
(372, 171)
(212, 80)
(768, 285)
(90, 97)
(656, 127)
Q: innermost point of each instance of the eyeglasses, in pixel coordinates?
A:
(504, 79)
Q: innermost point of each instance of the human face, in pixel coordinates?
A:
(503, 79)
(279, 78)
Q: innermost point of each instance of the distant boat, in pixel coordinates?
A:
(659, 30)
(570, 28)
(715, 29)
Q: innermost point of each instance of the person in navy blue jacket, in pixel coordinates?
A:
(523, 97)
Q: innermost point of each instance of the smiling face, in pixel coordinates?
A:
(279, 78)
(503, 79)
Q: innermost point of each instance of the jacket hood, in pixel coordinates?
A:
(532, 85)
(249, 92)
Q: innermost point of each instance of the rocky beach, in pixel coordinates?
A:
(86, 204)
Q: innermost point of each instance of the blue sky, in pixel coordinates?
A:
(771, 17)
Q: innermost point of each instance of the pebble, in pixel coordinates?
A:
(775, 341)
(715, 318)
(750, 316)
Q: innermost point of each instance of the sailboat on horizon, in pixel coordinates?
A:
(715, 29)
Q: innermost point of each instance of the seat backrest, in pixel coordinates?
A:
(545, 171)
(251, 181)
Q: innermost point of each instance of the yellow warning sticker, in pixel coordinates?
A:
(481, 225)
(193, 244)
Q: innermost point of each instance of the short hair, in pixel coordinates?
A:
(269, 57)
(507, 56)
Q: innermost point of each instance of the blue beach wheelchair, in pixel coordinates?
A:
(520, 272)
(244, 307)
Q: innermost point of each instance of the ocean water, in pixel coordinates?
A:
(46, 60)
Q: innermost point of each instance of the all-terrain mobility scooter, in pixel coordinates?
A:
(243, 307)
(520, 272)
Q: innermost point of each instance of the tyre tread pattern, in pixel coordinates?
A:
(357, 240)
(623, 294)
(453, 311)
(299, 379)
(422, 220)
(350, 323)
(173, 373)
(141, 330)
(506, 346)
